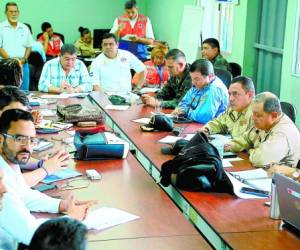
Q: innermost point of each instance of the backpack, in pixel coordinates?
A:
(197, 167)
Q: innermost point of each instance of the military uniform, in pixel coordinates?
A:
(281, 144)
(220, 62)
(175, 89)
(231, 122)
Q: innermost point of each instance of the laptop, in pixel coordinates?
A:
(288, 193)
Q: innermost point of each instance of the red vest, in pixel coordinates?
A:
(139, 28)
(53, 45)
(152, 76)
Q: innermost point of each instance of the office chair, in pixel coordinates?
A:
(235, 69)
(224, 75)
(36, 64)
(289, 109)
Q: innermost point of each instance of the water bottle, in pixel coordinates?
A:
(274, 208)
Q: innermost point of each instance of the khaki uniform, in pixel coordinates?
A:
(231, 122)
(281, 144)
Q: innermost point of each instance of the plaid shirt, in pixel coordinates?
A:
(53, 75)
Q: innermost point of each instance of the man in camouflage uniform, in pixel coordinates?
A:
(211, 51)
(236, 120)
(274, 137)
(178, 84)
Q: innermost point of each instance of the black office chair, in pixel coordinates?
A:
(36, 64)
(235, 69)
(224, 75)
(289, 109)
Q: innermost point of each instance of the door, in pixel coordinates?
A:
(269, 45)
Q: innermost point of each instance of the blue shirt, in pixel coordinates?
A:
(53, 75)
(203, 105)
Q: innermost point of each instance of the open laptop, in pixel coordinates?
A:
(288, 193)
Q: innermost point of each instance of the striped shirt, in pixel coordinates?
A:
(53, 75)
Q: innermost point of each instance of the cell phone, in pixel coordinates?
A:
(254, 191)
(229, 155)
(44, 187)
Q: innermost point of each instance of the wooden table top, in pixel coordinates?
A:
(227, 214)
(236, 220)
(165, 243)
(125, 185)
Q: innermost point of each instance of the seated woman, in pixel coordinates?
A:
(211, 51)
(157, 73)
(84, 44)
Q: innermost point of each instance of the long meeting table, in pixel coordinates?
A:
(225, 221)
(127, 186)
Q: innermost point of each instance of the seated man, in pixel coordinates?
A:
(236, 120)
(274, 137)
(178, 84)
(65, 73)
(111, 69)
(17, 137)
(211, 51)
(60, 233)
(14, 98)
(51, 42)
(208, 97)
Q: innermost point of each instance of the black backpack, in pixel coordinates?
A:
(197, 167)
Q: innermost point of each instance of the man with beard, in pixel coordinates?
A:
(13, 98)
(17, 138)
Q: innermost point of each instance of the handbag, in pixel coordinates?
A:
(78, 113)
(101, 145)
(197, 167)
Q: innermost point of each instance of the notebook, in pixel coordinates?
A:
(288, 193)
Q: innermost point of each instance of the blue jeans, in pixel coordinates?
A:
(25, 83)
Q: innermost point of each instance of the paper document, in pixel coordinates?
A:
(142, 120)
(237, 185)
(63, 95)
(106, 217)
(226, 163)
(169, 139)
(116, 107)
(223, 138)
(255, 178)
(47, 112)
(148, 90)
(188, 137)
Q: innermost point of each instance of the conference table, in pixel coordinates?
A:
(126, 185)
(225, 220)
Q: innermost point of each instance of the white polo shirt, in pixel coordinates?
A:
(114, 75)
(15, 40)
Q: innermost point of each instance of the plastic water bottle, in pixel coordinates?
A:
(274, 208)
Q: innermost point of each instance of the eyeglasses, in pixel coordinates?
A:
(23, 139)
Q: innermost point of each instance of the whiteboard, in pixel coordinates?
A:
(190, 31)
